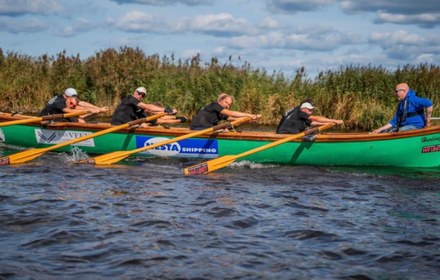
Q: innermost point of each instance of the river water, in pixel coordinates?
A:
(144, 220)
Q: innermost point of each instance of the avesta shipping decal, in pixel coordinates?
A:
(202, 148)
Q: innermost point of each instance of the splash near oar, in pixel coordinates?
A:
(43, 118)
(120, 155)
(31, 154)
(214, 164)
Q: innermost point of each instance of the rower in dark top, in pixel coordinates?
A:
(299, 118)
(69, 103)
(132, 108)
(213, 113)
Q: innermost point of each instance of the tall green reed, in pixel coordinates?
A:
(360, 95)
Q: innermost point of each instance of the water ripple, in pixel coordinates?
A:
(143, 219)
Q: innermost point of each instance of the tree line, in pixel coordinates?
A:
(360, 95)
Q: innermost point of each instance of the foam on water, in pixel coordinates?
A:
(251, 165)
(75, 155)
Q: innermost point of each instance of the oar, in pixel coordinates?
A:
(30, 154)
(214, 164)
(44, 118)
(120, 155)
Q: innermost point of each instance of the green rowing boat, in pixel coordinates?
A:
(416, 148)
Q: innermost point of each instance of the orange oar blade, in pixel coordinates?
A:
(109, 158)
(114, 157)
(27, 155)
(223, 161)
(21, 157)
(209, 166)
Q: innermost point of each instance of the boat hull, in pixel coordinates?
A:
(417, 148)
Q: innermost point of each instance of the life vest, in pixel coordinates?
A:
(403, 114)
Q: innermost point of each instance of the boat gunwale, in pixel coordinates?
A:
(238, 135)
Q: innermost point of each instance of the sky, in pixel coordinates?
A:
(279, 36)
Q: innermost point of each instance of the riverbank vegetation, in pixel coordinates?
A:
(360, 95)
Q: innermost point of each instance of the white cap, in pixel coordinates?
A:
(70, 92)
(141, 90)
(307, 105)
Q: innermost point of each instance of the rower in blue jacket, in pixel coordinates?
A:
(410, 112)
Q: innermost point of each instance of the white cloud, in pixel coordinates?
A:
(408, 7)
(81, 25)
(425, 58)
(306, 40)
(20, 7)
(400, 37)
(269, 23)
(164, 2)
(223, 24)
(294, 6)
(220, 25)
(424, 13)
(426, 20)
(402, 45)
(188, 53)
(136, 21)
(22, 26)
(309, 33)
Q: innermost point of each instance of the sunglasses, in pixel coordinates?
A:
(397, 90)
(141, 94)
(72, 102)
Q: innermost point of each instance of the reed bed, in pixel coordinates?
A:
(361, 95)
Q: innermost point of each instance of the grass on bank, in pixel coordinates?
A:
(360, 95)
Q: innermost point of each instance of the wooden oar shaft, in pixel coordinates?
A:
(28, 155)
(119, 155)
(105, 131)
(214, 164)
(284, 140)
(44, 118)
(18, 115)
(62, 116)
(176, 139)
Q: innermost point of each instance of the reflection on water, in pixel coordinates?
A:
(144, 219)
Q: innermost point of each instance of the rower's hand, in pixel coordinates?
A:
(428, 123)
(170, 111)
(103, 109)
(182, 119)
(96, 110)
(256, 117)
(339, 122)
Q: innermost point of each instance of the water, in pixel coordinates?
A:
(145, 220)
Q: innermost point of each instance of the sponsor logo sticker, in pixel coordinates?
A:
(431, 149)
(202, 148)
(46, 136)
(432, 141)
(4, 161)
(201, 168)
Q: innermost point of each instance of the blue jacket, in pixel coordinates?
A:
(410, 111)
